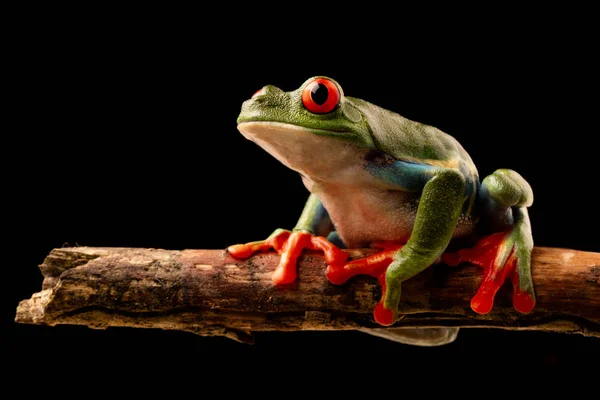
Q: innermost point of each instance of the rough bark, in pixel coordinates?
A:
(209, 292)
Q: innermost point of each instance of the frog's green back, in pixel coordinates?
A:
(408, 140)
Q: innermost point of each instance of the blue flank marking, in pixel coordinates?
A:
(409, 176)
(412, 177)
(320, 213)
(472, 182)
(335, 239)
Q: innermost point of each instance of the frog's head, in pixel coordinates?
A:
(313, 129)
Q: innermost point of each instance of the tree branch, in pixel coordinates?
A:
(209, 292)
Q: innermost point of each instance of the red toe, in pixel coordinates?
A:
(240, 250)
(286, 270)
(384, 316)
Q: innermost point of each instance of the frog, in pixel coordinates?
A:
(405, 189)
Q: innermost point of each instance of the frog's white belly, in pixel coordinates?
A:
(365, 214)
(362, 215)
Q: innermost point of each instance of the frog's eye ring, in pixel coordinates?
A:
(321, 96)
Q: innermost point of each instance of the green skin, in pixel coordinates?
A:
(353, 203)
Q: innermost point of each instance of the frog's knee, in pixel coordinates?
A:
(508, 189)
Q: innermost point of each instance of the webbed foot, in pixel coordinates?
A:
(503, 255)
(289, 245)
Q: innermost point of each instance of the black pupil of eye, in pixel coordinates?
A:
(319, 93)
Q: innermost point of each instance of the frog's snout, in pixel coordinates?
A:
(267, 90)
(258, 106)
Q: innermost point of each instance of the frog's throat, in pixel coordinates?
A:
(304, 150)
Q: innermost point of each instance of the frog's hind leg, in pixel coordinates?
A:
(505, 254)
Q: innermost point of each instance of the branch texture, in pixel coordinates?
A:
(209, 292)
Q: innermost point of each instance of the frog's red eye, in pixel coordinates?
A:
(320, 96)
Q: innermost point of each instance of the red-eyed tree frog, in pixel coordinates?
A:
(377, 179)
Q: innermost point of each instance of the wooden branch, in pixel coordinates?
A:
(209, 292)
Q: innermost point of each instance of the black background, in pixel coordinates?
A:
(125, 135)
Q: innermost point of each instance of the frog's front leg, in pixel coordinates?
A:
(505, 254)
(307, 234)
(438, 212)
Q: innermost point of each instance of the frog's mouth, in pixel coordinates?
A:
(313, 154)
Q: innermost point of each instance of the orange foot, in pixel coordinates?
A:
(289, 245)
(374, 265)
(491, 254)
